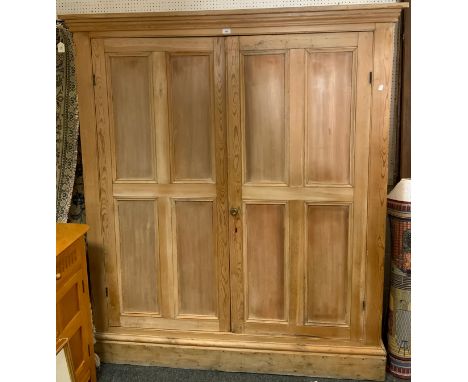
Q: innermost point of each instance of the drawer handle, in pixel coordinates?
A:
(58, 276)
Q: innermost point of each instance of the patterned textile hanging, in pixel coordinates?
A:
(67, 124)
(77, 212)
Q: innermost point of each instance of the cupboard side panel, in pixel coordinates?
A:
(89, 150)
(378, 176)
(106, 175)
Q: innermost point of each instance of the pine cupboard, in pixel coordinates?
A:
(235, 168)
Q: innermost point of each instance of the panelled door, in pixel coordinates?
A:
(286, 255)
(298, 136)
(163, 181)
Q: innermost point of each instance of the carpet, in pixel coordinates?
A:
(129, 373)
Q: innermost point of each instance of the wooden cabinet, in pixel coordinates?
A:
(236, 186)
(73, 318)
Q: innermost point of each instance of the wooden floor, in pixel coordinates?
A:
(129, 373)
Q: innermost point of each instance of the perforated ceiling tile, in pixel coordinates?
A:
(116, 6)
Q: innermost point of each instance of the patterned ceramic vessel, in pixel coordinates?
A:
(399, 312)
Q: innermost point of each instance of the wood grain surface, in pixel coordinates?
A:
(265, 261)
(327, 280)
(190, 118)
(328, 110)
(265, 130)
(286, 128)
(139, 255)
(222, 217)
(378, 175)
(313, 364)
(73, 316)
(196, 268)
(106, 175)
(130, 79)
(178, 131)
(253, 21)
(234, 144)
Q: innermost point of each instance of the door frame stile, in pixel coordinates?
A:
(234, 138)
(361, 140)
(222, 205)
(104, 160)
(89, 149)
(158, 60)
(297, 124)
(378, 175)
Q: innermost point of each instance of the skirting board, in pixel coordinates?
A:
(360, 367)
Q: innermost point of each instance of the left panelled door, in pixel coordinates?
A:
(161, 157)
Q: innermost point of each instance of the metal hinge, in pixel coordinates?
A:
(107, 292)
(94, 79)
(370, 77)
(364, 305)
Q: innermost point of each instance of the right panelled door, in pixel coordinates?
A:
(298, 136)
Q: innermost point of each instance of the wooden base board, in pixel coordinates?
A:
(332, 365)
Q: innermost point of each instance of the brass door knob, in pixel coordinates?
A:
(58, 276)
(234, 211)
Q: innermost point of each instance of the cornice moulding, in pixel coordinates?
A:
(246, 18)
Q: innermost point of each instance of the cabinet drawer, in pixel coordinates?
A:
(68, 262)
